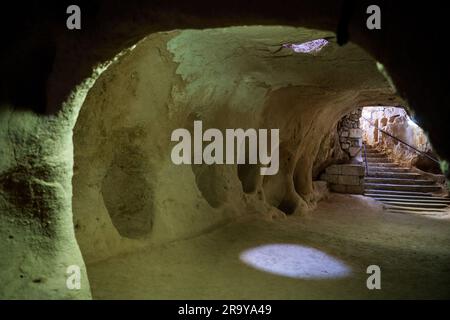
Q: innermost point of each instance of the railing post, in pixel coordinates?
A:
(365, 159)
(401, 141)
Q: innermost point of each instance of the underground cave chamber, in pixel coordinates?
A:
(127, 191)
(147, 228)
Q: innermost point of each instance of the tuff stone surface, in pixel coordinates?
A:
(36, 151)
(172, 79)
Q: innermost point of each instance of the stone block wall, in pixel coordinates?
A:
(350, 134)
(345, 178)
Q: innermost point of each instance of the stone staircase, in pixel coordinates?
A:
(400, 189)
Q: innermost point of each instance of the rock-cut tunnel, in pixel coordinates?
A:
(87, 178)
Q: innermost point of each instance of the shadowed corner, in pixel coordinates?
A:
(295, 261)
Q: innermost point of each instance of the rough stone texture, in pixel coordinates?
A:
(345, 178)
(396, 122)
(56, 59)
(226, 77)
(336, 227)
(346, 169)
(172, 79)
(330, 152)
(37, 150)
(36, 227)
(352, 189)
(350, 134)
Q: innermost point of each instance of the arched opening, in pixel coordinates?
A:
(188, 230)
(128, 194)
(392, 130)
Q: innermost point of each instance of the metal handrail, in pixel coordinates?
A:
(365, 158)
(401, 141)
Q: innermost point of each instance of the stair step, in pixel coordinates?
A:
(377, 160)
(411, 212)
(387, 169)
(370, 193)
(399, 175)
(413, 209)
(375, 155)
(381, 164)
(382, 196)
(416, 204)
(401, 187)
(399, 181)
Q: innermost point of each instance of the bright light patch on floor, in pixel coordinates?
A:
(307, 47)
(295, 261)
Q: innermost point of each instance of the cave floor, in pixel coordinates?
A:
(412, 251)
